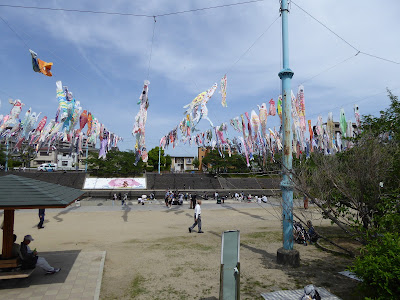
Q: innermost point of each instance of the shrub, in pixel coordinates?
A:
(379, 267)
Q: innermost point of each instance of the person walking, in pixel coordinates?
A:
(125, 199)
(197, 218)
(41, 218)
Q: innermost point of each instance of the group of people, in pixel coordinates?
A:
(29, 258)
(242, 197)
(123, 199)
(175, 197)
(303, 236)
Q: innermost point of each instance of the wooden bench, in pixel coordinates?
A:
(16, 274)
(8, 269)
(9, 263)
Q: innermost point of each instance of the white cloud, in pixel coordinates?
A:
(192, 51)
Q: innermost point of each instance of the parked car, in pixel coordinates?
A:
(47, 167)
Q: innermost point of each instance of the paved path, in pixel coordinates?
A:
(297, 294)
(79, 278)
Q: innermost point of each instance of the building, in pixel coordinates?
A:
(182, 163)
(337, 127)
(64, 155)
(201, 153)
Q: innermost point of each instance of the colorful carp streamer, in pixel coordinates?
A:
(254, 138)
(139, 126)
(223, 91)
(25, 134)
(40, 66)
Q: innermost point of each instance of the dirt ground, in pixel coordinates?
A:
(151, 254)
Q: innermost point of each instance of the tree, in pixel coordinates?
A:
(27, 154)
(196, 162)
(168, 162)
(12, 162)
(359, 188)
(153, 158)
(215, 163)
(116, 164)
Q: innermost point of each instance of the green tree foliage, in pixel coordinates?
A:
(359, 190)
(27, 155)
(116, 164)
(168, 162)
(196, 162)
(12, 161)
(379, 267)
(347, 186)
(215, 163)
(152, 162)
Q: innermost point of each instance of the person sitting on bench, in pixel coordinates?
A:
(30, 259)
(15, 251)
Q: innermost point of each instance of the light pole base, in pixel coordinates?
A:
(288, 257)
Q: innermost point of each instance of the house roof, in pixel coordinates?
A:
(17, 192)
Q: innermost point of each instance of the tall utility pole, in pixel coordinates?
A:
(287, 255)
(6, 166)
(87, 153)
(159, 159)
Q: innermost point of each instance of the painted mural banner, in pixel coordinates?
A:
(114, 183)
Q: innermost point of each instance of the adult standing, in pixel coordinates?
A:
(305, 200)
(166, 197)
(120, 198)
(41, 218)
(197, 217)
(193, 201)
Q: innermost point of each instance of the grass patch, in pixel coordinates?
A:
(176, 272)
(136, 287)
(269, 236)
(171, 293)
(132, 241)
(178, 244)
(252, 288)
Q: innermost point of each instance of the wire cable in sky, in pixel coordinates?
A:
(16, 33)
(326, 27)
(151, 47)
(55, 55)
(330, 68)
(388, 60)
(128, 14)
(349, 103)
(245, 52)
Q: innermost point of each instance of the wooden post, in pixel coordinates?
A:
(8, 231)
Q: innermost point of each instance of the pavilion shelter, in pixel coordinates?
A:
(17, 192)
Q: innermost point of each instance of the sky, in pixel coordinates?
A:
(104, 59)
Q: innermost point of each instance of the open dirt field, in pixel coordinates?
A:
(151, 254)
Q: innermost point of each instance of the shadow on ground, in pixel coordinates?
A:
(126, 209)
(63, 212)
(243, 212)
(58, 259)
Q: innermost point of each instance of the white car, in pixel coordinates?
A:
(47, 167)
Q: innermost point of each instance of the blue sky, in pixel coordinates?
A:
(104, 59)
